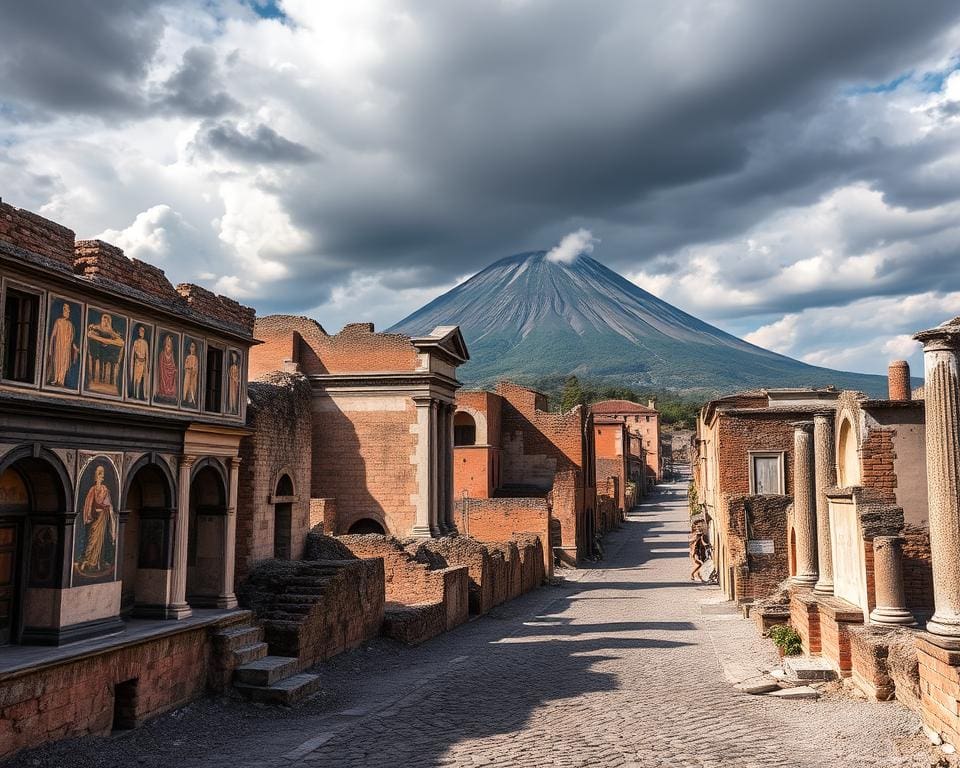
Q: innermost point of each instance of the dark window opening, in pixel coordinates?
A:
(214, 391)
(464, 429)
(125, 705)
(366, 526)
(20, 321)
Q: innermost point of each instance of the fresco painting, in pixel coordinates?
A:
(63, 344)
(95, 550)
(166, 370)
(106, 352)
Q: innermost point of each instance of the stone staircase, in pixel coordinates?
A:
(257, 675)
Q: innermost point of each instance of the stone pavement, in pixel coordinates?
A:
(622, 665)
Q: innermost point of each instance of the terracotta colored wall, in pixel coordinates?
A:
(737, 436)
(362, 458)
(757, 576)
(501, 519)
(473, 471)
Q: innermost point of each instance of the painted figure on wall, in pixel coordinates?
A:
(106, 342)
(233, 383)
(139, 387)
(193, 350)
(166, 388)
(96, 544)
(63, 345)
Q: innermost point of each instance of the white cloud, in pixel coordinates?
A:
(572, 245)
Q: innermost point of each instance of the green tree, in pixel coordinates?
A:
(573, 395)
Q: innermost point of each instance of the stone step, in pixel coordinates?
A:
(265, 671)
(297, 598)
(237, 637)
(289, 691)
(304, 589)
(808, 668)
(292, 607)
(253, 652)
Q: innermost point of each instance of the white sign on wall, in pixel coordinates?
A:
(760, 547)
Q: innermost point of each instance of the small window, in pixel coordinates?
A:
(464, 429)
(648, 419)
(21, 317)
(213, 397)
(766, 474)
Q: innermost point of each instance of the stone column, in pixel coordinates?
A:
(941, 347)
(178, 608)
(825, 476)
(422, 463)
(436, 447)
(888, 578)
(227, 598)
(804, 506)
(442, 448)
(448, 465)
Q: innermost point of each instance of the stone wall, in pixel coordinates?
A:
(36, 234)
(279, 416)
(315, 610)
(757, 518)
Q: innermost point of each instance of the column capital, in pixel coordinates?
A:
(187, 461)
(824, 415)
(802, 426)
(235, 462)
(942, 337)
(423, 401)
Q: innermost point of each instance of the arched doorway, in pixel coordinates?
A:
(147, 544)
(366, 525)
(283, 519)
(33, 503)
(464, 429)
(208, 511)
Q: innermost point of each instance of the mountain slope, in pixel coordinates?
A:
(526, 317)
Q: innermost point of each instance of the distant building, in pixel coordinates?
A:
(642, 420)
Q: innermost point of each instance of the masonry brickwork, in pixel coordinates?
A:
(502, 519)
(273, 503)
(757, 575)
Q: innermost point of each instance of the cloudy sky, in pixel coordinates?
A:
(789, 171)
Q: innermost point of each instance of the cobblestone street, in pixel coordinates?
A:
(623, 665)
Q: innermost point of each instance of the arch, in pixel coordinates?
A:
(366, 525)
(209, 463)
(283, 518)
(464, 429)
(848, 457)
(479, 420)
(154, 461)
(147, 544)
(207, 521)
(36, 503)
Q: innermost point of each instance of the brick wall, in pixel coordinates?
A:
(95, 258)
(356, 349)
(36, 234)
(805, 619)
(761, 518)
(363, 459)
(870, 671)
(279, 416)
(837, 617)
(502, 519)
(76, 698)
(878, 477)
(213, 305)
(737, 436)
(473, 471)
(918, 571)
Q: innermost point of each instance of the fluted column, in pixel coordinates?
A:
(435, 447)
(941, 403)
(825, 476)
(888, 579)
(804, 506)
(422, 460)
(178, 608)
(227, 598)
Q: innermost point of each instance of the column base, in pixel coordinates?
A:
(177, 611)
(944, 633)
(894, 617)
(226, 601)
(421, 532)
(823, 587)
(803, 581)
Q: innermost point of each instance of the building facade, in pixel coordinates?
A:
(643, 421)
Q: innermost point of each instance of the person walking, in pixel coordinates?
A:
(698, 552)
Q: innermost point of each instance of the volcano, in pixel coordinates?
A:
(528, 317)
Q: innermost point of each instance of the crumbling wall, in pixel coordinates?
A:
(762, 519)
(502, 519)
(278, 415)
(315, 610)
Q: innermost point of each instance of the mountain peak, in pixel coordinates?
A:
(529, 316)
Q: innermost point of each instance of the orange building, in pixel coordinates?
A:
(641, 420)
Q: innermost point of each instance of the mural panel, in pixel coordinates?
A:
(95, 548)
(166, 368)
(106, 344)
(234, 377)
(139, 361)
(63, 344)
(193, 353)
